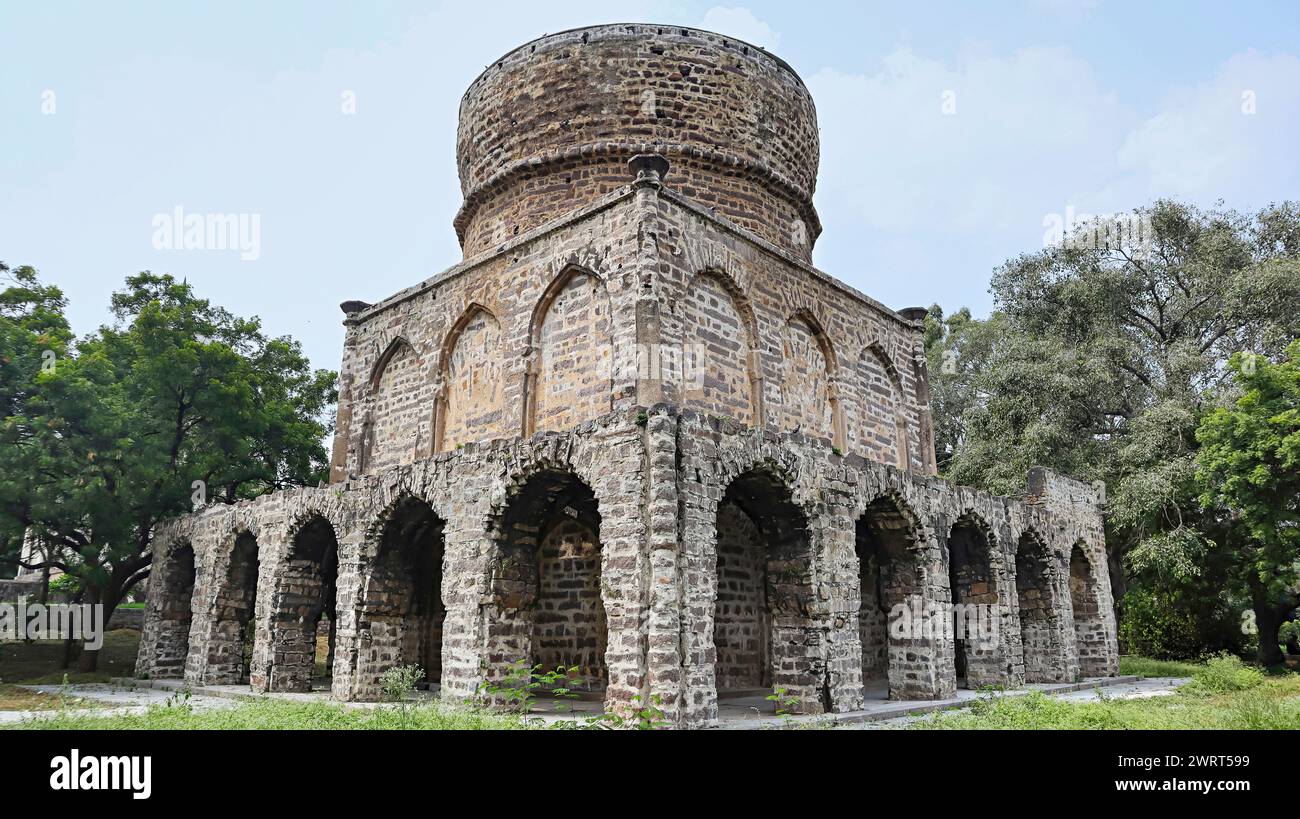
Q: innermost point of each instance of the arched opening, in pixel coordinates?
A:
(892, 598)
(402, 609)
(304, 609)
(1089, 628)
(230, 647)
(761, 620)
(547, 582)
(1036, 605)
(176, 592)
(974, 587)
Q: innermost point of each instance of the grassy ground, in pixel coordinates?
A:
(1223, 694)
(1142, 667)
(39, 662)
(281, 715)
(13, 698)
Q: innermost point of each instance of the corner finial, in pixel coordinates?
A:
(648, 169)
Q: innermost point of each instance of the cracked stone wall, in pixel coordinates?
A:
(551, 125)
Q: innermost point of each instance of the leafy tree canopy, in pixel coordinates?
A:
(110, 439)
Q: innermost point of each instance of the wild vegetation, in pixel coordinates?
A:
(1158, 367)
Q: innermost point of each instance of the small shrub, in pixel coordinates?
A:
(1256, 711)
(399, 681)
(1222, 674)
(784, 702)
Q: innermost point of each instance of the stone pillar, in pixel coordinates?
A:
(664, 637)
(841, 586)
(347, 376)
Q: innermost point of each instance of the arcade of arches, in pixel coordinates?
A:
(712, 587)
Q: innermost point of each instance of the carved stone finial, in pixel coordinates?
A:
(650, 169)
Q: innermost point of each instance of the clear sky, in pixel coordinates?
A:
(115, 113)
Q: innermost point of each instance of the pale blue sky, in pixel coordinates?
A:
(235, 107)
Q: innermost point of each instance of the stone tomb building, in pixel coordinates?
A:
(635, 432)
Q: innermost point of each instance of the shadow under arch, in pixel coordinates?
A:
(1042, 651)
(400, 608)
(232, 636)
(900, 650)
(979, 657)
(303, 605)
(763, 609)
(548, 609)
(1089, 624)
(175, 589)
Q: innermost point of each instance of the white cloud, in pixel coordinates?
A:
(1027, 134)
(741, 22)
(1224, 138)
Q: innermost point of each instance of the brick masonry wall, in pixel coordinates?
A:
(741, 626)
(550, 126)
(659, 588)
(645, 298)
(657, 443)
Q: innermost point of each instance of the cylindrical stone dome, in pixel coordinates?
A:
(549, 128)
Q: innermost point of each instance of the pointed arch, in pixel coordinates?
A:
(392, 349)
(762, 604)
(400, 602)
(396, 430)
(809, 401)
(231, 637)
(719, 356)
(303, 607)
(876, 418)
(1089, 622)
(471, 402)
(571, 353)
(888, 541)
(974, 581)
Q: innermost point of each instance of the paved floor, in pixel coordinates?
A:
(736, 709)
(1128, 688)
(106, 699)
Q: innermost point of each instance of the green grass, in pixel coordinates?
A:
(1143, 667)
(281, 715)
(1223, 694)
(39, 662)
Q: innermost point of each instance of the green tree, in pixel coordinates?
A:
(1104, 357)
(113, 438)
(34, 334)
(1249, 470)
